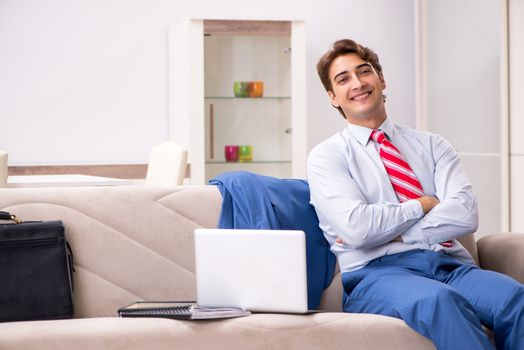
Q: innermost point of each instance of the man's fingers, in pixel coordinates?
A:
(447, 244)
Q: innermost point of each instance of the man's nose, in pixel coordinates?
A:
(357, 83)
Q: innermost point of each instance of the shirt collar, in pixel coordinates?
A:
(362, 134)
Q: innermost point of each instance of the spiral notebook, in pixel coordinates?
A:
(178, 310)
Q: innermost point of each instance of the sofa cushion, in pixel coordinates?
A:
(469, 242)
(260, 331)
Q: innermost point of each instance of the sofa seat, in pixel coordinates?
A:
(331, 330)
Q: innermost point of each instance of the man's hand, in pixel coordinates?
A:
(428, 203)
(398, 239)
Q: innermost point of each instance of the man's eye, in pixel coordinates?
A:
(342, 80)
(365, 71)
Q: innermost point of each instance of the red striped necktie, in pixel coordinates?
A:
(403, 179)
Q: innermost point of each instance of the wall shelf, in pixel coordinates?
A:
(251, 162)
(265, 98)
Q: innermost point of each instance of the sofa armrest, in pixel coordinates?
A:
(504, 253)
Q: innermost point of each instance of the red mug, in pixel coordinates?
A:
(231, 153)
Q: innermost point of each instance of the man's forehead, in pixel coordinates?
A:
(349, 62)
(351, 57)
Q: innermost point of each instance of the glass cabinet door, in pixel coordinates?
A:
(247, 104)
(262, 123)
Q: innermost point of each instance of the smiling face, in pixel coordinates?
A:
(357, 89)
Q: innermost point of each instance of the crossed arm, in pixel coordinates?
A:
(427, 204)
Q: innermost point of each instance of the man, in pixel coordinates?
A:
(391, 201)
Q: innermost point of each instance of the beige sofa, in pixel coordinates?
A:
(132, 243)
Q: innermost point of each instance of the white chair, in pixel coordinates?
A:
(3, 169)
(167, 165)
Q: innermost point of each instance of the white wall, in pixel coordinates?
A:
(85, 81)
(462, 47)
(516, 87)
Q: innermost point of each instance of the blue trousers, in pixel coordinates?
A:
(441, 298)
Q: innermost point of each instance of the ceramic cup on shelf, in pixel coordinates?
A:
(245, 153)
(241, 88)
(256, 88)
(231, 153)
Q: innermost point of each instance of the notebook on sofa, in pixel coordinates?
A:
(178, 310)
(255, 270)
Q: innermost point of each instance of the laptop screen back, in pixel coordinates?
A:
(256, 270)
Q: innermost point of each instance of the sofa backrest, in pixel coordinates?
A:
(133, 242)
(129, 242)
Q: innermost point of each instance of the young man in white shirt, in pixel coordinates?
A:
(393, 226)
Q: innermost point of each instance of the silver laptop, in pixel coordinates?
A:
(255, 270)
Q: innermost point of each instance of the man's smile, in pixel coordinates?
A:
(360, 96)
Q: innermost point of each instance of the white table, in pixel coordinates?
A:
(65, 180)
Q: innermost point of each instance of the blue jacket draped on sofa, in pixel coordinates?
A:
(252, 201)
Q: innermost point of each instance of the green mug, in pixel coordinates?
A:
(241, 88)
(245, 153)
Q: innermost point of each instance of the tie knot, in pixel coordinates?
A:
(378, 136)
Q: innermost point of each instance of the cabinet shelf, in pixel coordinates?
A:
(251, 162)
(248, 98)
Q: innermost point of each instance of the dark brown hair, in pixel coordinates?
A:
(340, 48)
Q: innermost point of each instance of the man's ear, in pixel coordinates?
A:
(382, 82)
(333, 99)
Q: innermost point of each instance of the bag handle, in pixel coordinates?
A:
(7, 216)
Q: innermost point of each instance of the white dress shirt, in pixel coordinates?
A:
(355, 201)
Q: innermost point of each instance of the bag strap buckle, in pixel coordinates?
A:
(8, 216)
